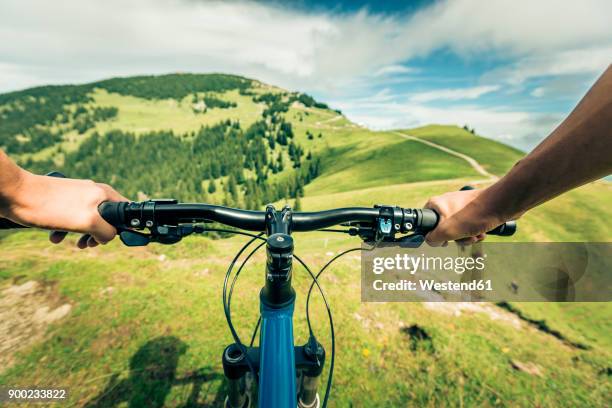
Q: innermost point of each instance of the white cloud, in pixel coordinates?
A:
(290, 47)
(454, 94)
(562, 87)
(520, 27)
(538, 92)
(589, 61)
(393, 70)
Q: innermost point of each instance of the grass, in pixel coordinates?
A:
(495, 157)
(164, 317)
(140, 116)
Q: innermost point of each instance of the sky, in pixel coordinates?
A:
(510, 69)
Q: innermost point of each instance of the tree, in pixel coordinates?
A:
(232, 188)
(212, 187)
(297, 205)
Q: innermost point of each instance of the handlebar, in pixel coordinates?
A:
(126, 215)
(369, 223)
(133, 215)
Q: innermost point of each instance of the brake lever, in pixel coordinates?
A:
(411, 241)
(162, 234)
(133, 238)
(171, 234)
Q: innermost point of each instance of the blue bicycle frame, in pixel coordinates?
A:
(277, 373)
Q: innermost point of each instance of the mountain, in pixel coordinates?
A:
(183, 135)
(232, 140)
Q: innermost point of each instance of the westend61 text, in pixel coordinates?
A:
(429, 285)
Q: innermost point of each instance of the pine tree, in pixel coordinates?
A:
(297, 205)
(212, 187)
(232, 188)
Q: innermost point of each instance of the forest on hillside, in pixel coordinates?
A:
(223, 163)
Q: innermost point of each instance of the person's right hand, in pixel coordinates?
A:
(62, 205)
(463, 217)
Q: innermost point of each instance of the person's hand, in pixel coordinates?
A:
(62, 205)
(463, 217)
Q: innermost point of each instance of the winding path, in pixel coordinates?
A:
(475, 165)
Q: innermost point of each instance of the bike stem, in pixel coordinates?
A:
(277, 291)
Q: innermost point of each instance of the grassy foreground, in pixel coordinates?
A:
(147, 325)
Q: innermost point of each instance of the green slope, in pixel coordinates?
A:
(495, 157)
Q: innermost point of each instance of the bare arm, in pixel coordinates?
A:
(55, 203)
(576, 152)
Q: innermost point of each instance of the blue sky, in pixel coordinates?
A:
(510, 69)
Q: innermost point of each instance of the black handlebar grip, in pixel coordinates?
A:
(505, 230)
(428, 220)
(113, 213)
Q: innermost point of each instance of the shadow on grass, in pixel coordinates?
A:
(152, 376)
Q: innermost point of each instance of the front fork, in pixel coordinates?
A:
(288, 375)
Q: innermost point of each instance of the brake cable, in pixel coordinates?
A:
(225, 304)
(316, 278)
(331, 327)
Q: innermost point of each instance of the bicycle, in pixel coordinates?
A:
(286, 375)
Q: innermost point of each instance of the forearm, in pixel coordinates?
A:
(57, 204)
(11, 180)
(578, 151)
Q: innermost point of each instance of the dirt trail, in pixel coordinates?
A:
(26, 311)
(332, 119)
(475, 165)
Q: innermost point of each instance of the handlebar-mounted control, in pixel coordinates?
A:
(131, 218)
(405, 226)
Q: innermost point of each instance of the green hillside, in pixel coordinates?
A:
(144, 322)
(496, 157)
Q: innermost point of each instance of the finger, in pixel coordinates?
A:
(57, 236)
(439, 235)
(111, 193)
(432, 240)
(91, 242)
(480, 237)
(82, 242)
(466, 241)
(104, 233)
